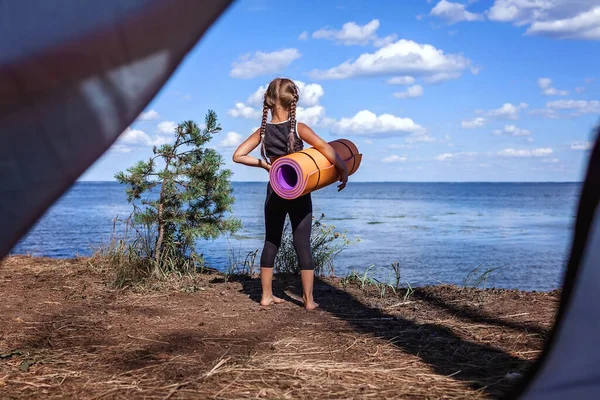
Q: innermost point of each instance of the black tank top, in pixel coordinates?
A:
(276, 137)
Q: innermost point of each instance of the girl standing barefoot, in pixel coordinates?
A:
(281, 136)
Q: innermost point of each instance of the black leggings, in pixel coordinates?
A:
(300, 212)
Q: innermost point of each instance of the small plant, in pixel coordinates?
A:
(237, 267)
(366, 279)
(478, 277)
(409, 292)
(127, 255)
(383, 287)
(351, 277)
(326, 244)
(396, 270)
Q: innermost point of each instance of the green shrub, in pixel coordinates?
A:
(326, 245)
(179, 195)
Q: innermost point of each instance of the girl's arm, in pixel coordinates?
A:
(310, 137)
(241, 156)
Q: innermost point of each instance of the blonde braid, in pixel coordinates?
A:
(292, 136)
(263, 129)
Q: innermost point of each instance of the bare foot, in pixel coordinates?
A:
(310, 304)
(270, 300)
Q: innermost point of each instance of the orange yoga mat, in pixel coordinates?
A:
(308, 170)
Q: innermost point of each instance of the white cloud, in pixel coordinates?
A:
(448, 140)
(401, 146)
(119, 149)
(568, 107)
(353, 34)
(367, 123)
(232, 139)
(566, 19)
(546, 113)
(554, 92)
(310, 94)
(393, 159)
(452, 156)
(475, 70)
(454, 12)
(243, 111)
(512, 130)
(404, 57)
(159, 141)
(581, 146)
(551, 160)
(382, 42)
(547, 89)
(311, 115)
(508, 111)
(522, 153)
(542, 152)
(544, 83)
(420, 137)
(303, 36)
(580, 107)
(413, 91)
(585, 25)
(590, 80)
(148, 115)
(401, 80)
(367, 141)
(136, 137)
(445, 156)
(477, 122)
(580, 89)
(260, 63)
(441, 77)
(167, 127)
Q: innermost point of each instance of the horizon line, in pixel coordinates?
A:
(114, 181)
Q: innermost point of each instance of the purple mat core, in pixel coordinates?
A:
(287, 177)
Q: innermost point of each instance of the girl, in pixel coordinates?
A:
(281, 136)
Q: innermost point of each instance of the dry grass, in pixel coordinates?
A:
(72, 336)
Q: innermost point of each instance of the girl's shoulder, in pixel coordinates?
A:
(302, 127)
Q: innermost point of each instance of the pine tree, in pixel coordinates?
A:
(182, 194)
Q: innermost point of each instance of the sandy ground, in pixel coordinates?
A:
(65, 333)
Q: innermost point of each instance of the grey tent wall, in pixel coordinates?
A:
(569, 366)
(73, 75)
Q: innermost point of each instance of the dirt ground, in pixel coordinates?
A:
(64, 333)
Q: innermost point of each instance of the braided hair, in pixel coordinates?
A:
(263, 129)
(292, 137)
(283, 92)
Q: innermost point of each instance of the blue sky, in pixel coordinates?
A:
(502, 90)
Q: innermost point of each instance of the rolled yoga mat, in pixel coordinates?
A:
(308, 170)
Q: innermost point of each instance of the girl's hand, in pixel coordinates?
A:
(343, 177)
(265, 165)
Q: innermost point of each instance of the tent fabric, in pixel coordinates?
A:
(569, 365)
(75, 74)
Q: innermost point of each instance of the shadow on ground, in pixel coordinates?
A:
(479, 365)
